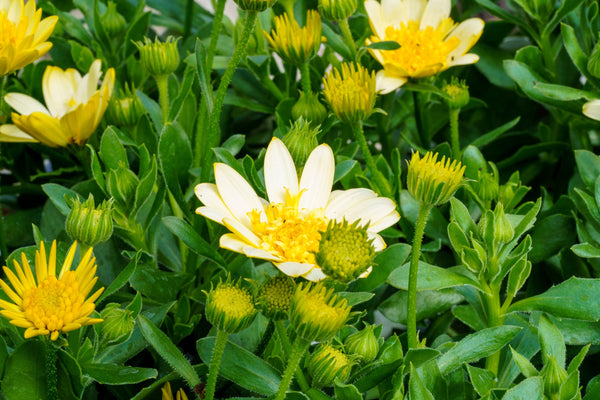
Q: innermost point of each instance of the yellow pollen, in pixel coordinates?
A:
(233, 301)
(289, 234)
(53, 303)
(419, 49)
(72, 103)
(8, 32)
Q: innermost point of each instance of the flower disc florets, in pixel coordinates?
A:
(230, 307)
(327, 363)
(274, 297)
(317, 313)
(351, 93)
(433, 182)
(345, 251)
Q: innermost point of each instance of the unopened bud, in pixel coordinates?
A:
(114, 23)
(363, 344)
(230, 307)
(328, 363)
(337, 10)
(457, 93)
(159, 58)
(118, 324)
(301, 140)
(89, 224)
(310, 108)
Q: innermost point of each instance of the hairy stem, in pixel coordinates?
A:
(215, 362)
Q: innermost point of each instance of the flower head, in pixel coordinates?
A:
(296, 45)
(430, 41)
(255, 5)
(274, 297)
(167, 394)
(337, 10)
(47, 304)
(351, 93)
(75, 106)
(23, 34)
(433, 182)
(126, 108)
(88, 224)
(301, 140)
(159, 58)
(286, 229)
(591, 109)
(328, 363)
(230, 307)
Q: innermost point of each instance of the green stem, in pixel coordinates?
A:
(215, 361)
(305, 75)
(287, 349)
(411, 309)
(189, 16)
(163, 96)
(348, 37)
(418, 121)
(454, 137)
(3, 248)
(51, 371)
(547, 53)
(494, 318)
(214, 136)
(298, 348)
(214, 34)
(382, 185)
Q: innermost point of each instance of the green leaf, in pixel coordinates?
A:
(530, 389)
(112, 153)
(579, 58)
(566, 6)
(494, 134)
(578, 359)
(182, 93)
(429, 303)
(57, 194)
(545, 240)
(346, 391)
(476, 346)
(588, 165)
(416, 388)
(25, 372)
(384, 45)
(113, 374)
(192, 239)
(336, 42)
(526, 367)
(570, 387)
(168, 351)
(429, 277)
(121, 279)
(468, 316)
(3, 355)
(385, 262)
(576, 298)
(355, 298)
(157, 284)
(242, 367)
(551, 341)
(482, 379)
(175, 156)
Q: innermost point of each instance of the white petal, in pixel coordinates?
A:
(280, 172)
(378, 242)
(341, 201)
(385, 84)
(89, 82)
(415, 9)
(237, 194)
(375, 14)
(315, 275)
(435, 12)
(255, 252)
(385, 222)
(371, 210)
(467, 32)
(292, 268)
(59, 88)
(12, 134)
(208, 194)
(241, 231)
(591, 109)
(467, 59)
(393, 12)
(317, 178)
(24, 104)
(231, 242)
(213, 214)
(366, 273)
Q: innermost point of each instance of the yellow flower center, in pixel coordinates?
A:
(290, 234)
(233, 301)
(419, 49)
(8, 31)
(53, 303)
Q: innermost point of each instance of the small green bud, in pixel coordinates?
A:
(88, 224)
(503, 229)
(230, 307)
(327, 363)
(114, 23)
(274, 297)
(554, 375)
(593, 64)
(345, 251)
(301, 140)
(457, 93)
(255, 5)
(118, 324)
(310, 108)
(125, 109)
(337, 10)
(159, 58)
(122, 184)
(487, 187)
(363, 344)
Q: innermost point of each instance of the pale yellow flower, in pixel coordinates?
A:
(430, 41)
(75, 106)
(285, 229)
(591, 109)
(47, 304)
(167, 394)
(23, 34)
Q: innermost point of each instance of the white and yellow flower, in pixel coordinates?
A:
(591, 109)
(74, 108)
(23, 34)
(430, 41)
(286, 228)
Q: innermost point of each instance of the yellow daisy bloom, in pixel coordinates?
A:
(296, 45)
(47, 304)
(75, 106)
(167, 394)
(430, 41)
(23, 34)
(591, 109)
(431, 181)
(286, 228)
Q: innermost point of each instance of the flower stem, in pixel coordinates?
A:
(494, 318)
(189, 16)
(305, 75)
(215, 362)
(454, 137)
(418, 121)
(298, 348)
(163, 96)
(348, 37)
(214, 34)
(411, 309)
(3, 248)
(51, 371)
(287, 349)
(382, 185)
(214, 136)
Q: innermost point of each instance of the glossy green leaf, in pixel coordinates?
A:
(25, 372)
(429, 303)
(551, 341)
(112, 153)
(346, 391)
(192, 239)
(57, 195)
(530, 389)
(588, 165)
(416, 388)
(385, 262)
(526, 367)
(121, 279)
(482, 379)
(429, 277)
(113, 374)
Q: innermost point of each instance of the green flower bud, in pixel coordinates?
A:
(88, 224)
(593, 64)
(433, 182)
(255, 5)
(554, 375)
(295, 45)
(114, 23)
(487, 187)
(337, 10)
(345, 251)
(327, 363)
(230, 307)
(310, 108)
(317, 313)
(301, 140)
(118, 324)
(159, 58)
(363, 344)
(350, 93)
(503, 229)
(274, 297)
(122, 184)
(125, 109)
(457, 93)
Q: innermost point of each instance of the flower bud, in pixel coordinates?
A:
(87, 224)
(295, 45)
(125, 109)
(345, 251)
(554, 375)
(326, 364)
(457, 93)
(593, 64)
(255, 5)
(310, 108)
(363, 344)
(122, 184)
(274, 297)
(301, 140)
(433, 182)
(159, 58)
(317, 313)
(503, 229)
(118, 324)
(350, 93)
(337, 10)
(230, 307)
(487, 187)
(114, 23)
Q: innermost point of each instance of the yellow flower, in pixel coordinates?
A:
(296, 45)
(168, 395)
(286, 229)
(47, 304)
(351, 93)
(430, 41)
(433, 182)
(23, 34)
(75, 106)
(591, 109)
